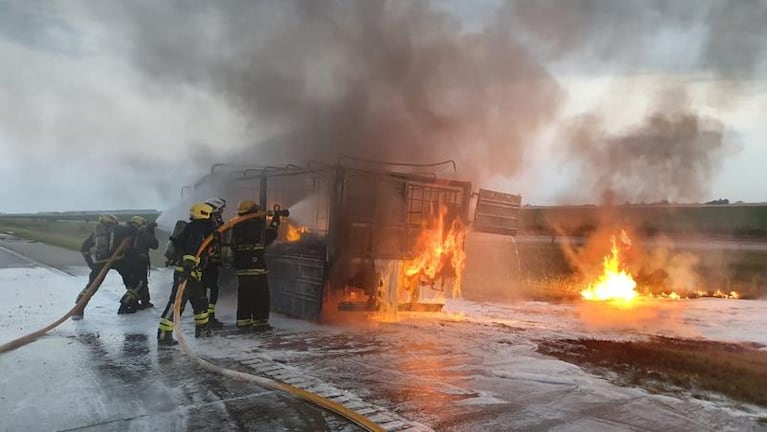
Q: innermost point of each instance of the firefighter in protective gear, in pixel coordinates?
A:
(185, 245)
(210, 272)
(138, 259)
(96, 251)
(249, 238)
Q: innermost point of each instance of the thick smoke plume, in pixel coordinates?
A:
(393, 80)
(671, 156)
(674, 152)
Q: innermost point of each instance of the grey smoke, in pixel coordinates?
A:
(673, 153)
(398, 81)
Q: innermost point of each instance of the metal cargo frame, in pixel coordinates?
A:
(357, 215)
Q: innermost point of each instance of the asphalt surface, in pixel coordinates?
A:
(106, 373)
(472, 368)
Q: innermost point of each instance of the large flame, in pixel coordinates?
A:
(614, 283)
(439, 249)
(295, 232)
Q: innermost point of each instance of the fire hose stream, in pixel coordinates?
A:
(310, 397)
(92, 288)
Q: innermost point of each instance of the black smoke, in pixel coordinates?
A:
(399, 81)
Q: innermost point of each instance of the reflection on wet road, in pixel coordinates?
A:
(473, 369)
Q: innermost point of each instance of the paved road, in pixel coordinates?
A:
(474, 368)
(106, 374)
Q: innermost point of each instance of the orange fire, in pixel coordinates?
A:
(439, 248)
(614, 284)
(295, 232)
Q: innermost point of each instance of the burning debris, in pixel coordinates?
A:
(614, 284)
(295, 232)
(440, 252)
(617, 285)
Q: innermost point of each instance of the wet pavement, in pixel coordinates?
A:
(472, 368)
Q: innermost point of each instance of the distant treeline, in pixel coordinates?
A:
(734, 220)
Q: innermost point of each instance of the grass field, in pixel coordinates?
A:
(732, 221)
(738, 371)
(68, 233)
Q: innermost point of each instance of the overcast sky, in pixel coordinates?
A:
(99, 109)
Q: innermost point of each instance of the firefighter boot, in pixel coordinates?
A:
(261, 325)
(128, 303)
(203, 330)
(165, 338)
(78, 312)
(215, 324)
(126, 308)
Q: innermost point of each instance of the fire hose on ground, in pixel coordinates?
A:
(310, 397)
(92, 288)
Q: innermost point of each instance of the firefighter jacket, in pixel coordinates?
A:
(249, 238)
(144, 240)
(103, 242)
(189, 240)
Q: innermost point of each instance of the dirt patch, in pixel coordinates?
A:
(738, 371)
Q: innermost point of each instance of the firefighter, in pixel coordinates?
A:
(101, 244)
(138, 258)
(210, 272)
(183, 246)
(249, 238)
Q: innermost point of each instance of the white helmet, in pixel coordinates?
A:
(217, 203)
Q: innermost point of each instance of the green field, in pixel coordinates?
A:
(730, 221)
(68, 231)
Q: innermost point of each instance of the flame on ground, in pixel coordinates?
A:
(614, 284)
(439, 249)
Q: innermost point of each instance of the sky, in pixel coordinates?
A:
(114, 105)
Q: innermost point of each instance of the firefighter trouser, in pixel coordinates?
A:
(194, 294)
(210, 282)
(124, 271)
(252, 300)
(140, 270)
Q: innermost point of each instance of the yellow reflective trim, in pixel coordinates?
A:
(179, 269)
(166, 325)
(194, 258)
(252, 272)
(201, 318)
(211, 308)
(196, 275)
(244, 322)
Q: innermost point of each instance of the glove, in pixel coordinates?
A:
(189, 262)
(275, 223)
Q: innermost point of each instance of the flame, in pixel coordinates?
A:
(439, 249)
(295, 232)
(614, 283)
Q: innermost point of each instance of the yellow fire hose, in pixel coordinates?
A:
(310, 397)
(92, 288)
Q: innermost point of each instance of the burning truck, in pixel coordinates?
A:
(366, 235)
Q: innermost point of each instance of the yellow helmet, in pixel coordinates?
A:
(138, 221)
(200, 211)
(246, 206)
(108, 219)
